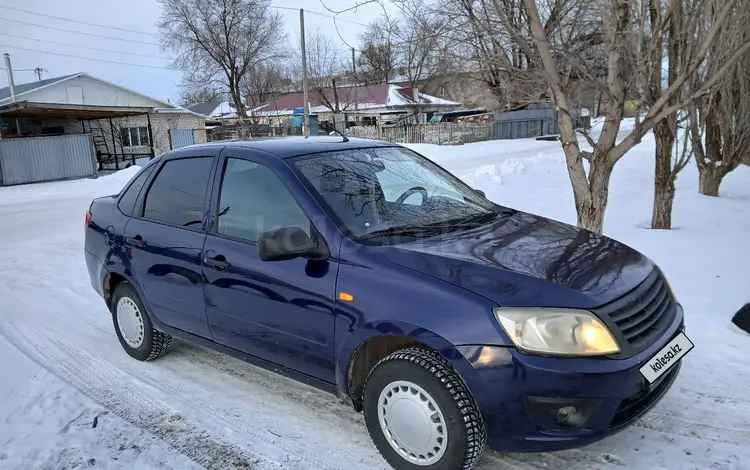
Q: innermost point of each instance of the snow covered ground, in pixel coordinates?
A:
(71, 398)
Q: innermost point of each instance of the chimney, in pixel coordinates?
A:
(415, 94)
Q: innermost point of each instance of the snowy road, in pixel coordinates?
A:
(70, 396)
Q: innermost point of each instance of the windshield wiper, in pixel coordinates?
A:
(401, 230)
(473, 219)
(431, 229)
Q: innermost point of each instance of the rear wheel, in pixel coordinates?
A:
(134, 329)
(420, 414)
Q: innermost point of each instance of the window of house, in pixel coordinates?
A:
(134, 136)
(178, 193)
(53, 130)
(254, 200)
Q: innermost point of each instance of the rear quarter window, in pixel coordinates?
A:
(130, 195)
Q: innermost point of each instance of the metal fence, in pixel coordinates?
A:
(35, 159)
(440, 133)
(181, 137)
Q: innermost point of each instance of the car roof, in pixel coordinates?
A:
(289, 147)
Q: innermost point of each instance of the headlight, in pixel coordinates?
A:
(561, 332)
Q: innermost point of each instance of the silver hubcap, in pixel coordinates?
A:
(130, 322)
(412, 423)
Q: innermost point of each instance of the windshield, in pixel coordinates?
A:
(384, 189)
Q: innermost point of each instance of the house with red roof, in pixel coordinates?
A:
(383, 102)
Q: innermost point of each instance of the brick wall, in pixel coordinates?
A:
(161, 123)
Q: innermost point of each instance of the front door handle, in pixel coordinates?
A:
(136, 241)
(217, 262)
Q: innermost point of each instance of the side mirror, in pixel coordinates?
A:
(481, 193)
(288, 243)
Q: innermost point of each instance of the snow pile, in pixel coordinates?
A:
(102, 186)
(71, 397)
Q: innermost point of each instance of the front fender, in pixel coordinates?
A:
(353, 340)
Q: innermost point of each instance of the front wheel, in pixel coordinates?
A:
(420, 414)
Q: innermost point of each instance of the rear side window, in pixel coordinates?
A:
(178, 193)
(127, 201)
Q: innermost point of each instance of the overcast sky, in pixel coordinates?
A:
(18, 29)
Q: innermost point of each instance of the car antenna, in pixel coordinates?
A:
(345, 138)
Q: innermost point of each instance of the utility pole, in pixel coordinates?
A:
(12, 88)
(11, 85)
(356, 83)
(38, 71)
(304, 71)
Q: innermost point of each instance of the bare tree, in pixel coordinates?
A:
(504, 66)
(217, 42)
(195, 93)
(378, 56)
(620, 36)
(263, 84)
(424, 43)
(680, 48)
(720, 121)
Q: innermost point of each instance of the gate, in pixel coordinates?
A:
(36, 159)
(181, 138)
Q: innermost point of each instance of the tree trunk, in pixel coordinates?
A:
(663, 201)
(709, 180)
(661, 217)
(712, 170)
(591, 209)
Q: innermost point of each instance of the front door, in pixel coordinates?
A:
(165, 242)
(280, 311)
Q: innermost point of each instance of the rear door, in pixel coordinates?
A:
(165, 238)
(280, 311)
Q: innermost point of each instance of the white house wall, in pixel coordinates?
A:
(95, 93)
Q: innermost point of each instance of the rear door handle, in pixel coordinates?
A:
(218, 262)
(136, 241)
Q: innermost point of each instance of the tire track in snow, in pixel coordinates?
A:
(310, 419)
(295, 451)
(91, 378)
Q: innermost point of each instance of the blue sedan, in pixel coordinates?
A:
(363, 268)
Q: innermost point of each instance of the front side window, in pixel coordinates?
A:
(254, 200)
(178, 193)
(377, 189)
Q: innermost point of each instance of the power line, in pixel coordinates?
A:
(75, 45)
(78, 21)
(156, 35)
(86, 58)
(79, 32)
(318, 14)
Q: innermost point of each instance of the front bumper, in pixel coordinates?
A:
(516, 391)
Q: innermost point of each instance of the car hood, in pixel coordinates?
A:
(521, 259)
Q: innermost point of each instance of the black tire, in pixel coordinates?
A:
(434, 374)
(155, 343)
